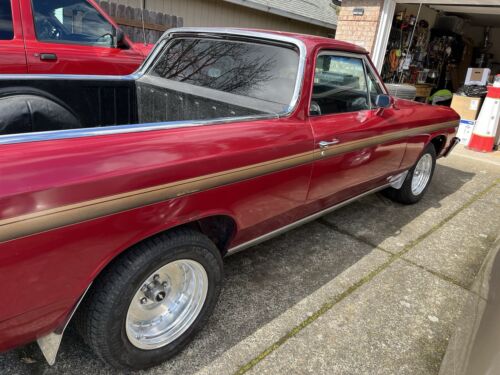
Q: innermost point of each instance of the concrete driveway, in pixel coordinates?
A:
(374, 287)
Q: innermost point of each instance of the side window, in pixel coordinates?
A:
(6, 30)
(71, 21)
(339, 85)
(373, 87)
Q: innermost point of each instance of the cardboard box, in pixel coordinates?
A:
(467, 107)
(477, 76)
(465, 130)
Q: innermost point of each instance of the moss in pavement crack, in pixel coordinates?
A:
(323, 309)
(437, 274)
(328, 305)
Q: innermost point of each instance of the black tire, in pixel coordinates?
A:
(30, 113)
(405, 194)
(102, 316)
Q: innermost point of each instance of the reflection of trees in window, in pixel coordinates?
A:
(233, 67)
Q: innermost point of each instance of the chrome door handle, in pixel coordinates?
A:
(326, 144)
(48, 57)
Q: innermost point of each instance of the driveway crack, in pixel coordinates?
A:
(330, 304)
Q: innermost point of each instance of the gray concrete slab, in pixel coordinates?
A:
(457, 250)
(267, 335)
(494, 197)
(484, 167)
(399, 323)
(393, 226)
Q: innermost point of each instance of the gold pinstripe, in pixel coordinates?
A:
(41, 221)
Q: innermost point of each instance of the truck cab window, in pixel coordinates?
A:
(6, 30)
(339, 85)
(71, 21)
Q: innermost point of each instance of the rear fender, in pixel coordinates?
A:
(49, 343)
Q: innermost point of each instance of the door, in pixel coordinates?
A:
(13, 55)
(354, 152)
(72, 37)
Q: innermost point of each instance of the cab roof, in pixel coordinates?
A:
(310, 41)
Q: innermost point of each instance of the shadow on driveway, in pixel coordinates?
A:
(263, 282)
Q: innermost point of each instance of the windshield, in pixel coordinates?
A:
(264, 72)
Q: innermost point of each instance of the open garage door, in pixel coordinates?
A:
(475, 13)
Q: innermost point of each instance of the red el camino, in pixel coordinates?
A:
(120, 195)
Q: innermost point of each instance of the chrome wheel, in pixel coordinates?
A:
(421, 174)
(166, 304)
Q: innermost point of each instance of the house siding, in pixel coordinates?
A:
(218, 13)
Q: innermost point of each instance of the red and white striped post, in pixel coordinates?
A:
(483, 136)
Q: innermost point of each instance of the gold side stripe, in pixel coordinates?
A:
(379, 139)
(37, 222)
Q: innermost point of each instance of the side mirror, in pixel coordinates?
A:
(383, 101)
(120, 39)
(314, 109)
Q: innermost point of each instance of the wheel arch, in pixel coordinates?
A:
(439, 143)
(220, 228)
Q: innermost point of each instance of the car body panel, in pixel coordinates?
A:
(68, 207)
(25, 50)
(12, 51)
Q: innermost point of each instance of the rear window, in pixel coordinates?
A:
(259, 71)
(6, 30)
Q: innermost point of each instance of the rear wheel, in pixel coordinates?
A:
(151, 301)
(417, 180)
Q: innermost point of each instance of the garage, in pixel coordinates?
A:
(441, 52)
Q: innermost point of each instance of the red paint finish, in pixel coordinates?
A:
(22, 55)
(366, 164)
(56, 266)
(12, 51)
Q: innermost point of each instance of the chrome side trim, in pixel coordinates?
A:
(300, 222)
(66, 77)
(49, 344)
(122, 129)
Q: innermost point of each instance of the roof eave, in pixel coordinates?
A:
(283, 13)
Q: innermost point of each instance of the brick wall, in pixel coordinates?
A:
(360, 30)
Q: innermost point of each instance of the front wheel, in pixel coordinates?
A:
(152, 300)
(417, 180)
